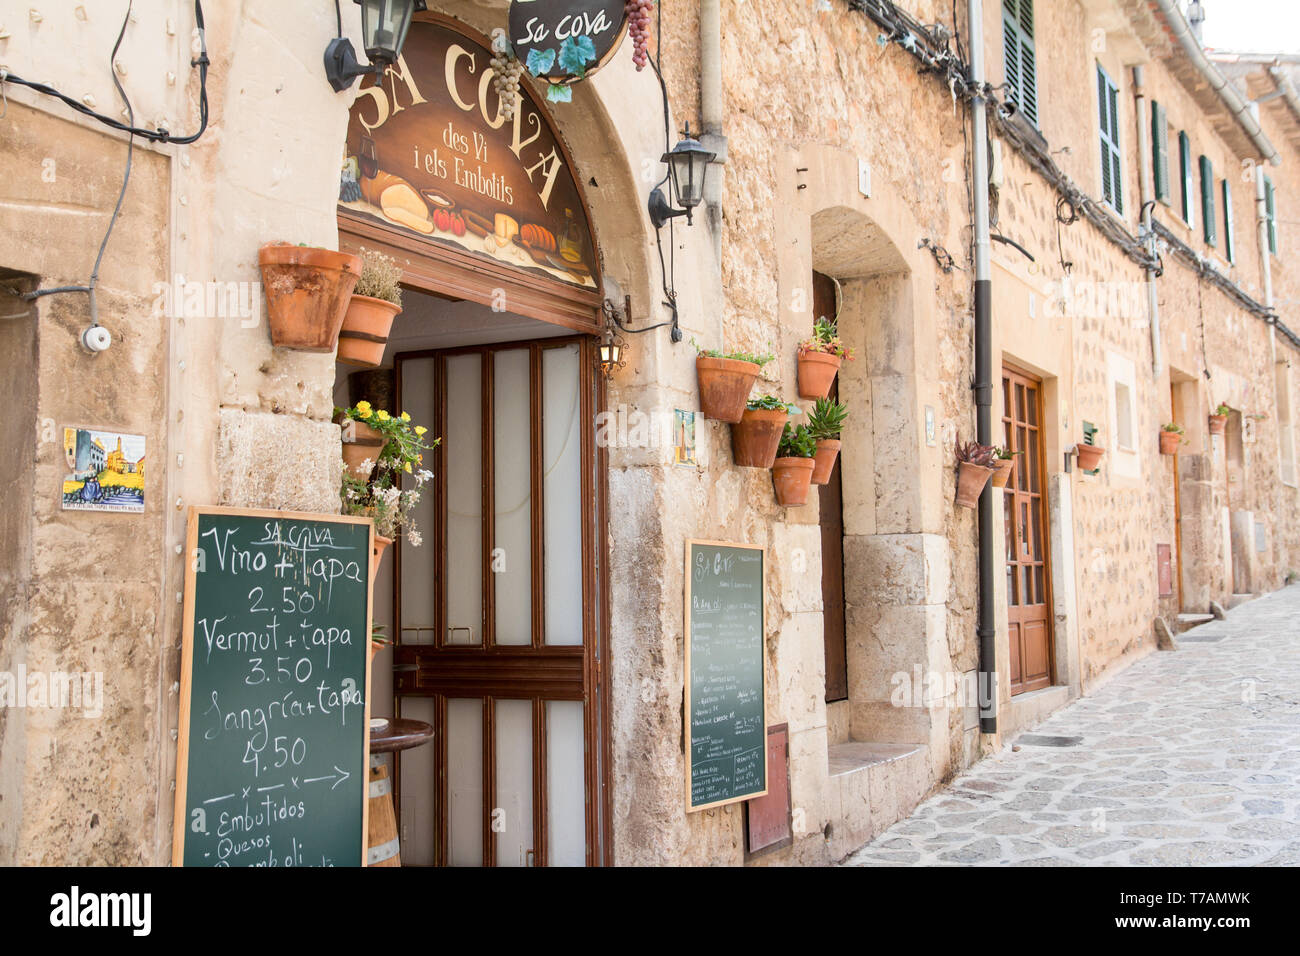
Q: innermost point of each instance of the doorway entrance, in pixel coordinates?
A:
(1029, 618)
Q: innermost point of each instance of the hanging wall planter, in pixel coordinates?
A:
(1170, 437)
(1089, 456)
(792, 470)
(974, 469)
(756, 437)
(361, 447)
(377, 556)
(820, 358)
(1219, 420)
(376, 300)
(726, 380)
(824, 425)
(1004, 464)
(307, 294)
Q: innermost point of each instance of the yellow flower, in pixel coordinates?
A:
(405, 417)
(419, 459)
(420, 429)
(408, 467)
(382, 415)
(363, 409)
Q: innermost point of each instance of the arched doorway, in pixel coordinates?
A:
(499, 638)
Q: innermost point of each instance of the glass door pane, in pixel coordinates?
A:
(512, 553)
(512, 817)
(562, 487)
(464, 467)
(465, 781)
(566, 784)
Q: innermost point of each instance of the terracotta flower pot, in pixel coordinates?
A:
(817, 370)
(971, 480)
(364, 334)
(1089, 456)
(828, 449)
(1169, 442)
(376, 556)
(757, 436)
(791, 478)
(307, 294)
(725, 385)
(375, 648)
(1218, 424)
(365, 444)
(1004, 467)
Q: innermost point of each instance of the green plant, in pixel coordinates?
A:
(974, 453)
(381, 277)
(377, 635)
(771, 403)
(826, 420)
(1173, 427)
(797, 442)
(1001, 451)
(826, 338)
(756, 358)
(1223, 410)
(403, 451)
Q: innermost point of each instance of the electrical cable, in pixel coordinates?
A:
(156, 136)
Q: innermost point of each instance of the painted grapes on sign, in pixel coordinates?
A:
(563, 41)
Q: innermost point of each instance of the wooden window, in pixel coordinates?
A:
(1207, 202)
(1270, 210)
(1160, 152)
(1019, 56)
(1228, 248)
(1185, 174)
(1112, 167)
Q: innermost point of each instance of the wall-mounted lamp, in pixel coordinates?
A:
(383, 30)
(688, 164)
(612, 351)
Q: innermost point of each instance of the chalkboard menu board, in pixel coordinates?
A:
(274, 721)
(726, 702)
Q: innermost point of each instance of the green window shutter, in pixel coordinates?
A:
(1019, 56)
(1270, 209)
(1227, 223)
(1160, 152)
(1185, 172)
(1112, 168)
(1207, 202)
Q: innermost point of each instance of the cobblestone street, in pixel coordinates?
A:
(1186, 758)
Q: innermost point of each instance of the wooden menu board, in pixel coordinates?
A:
(726, 658)
(273, 744)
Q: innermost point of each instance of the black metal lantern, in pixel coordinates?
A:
(612, 351)
(688, 165)
(383, 31)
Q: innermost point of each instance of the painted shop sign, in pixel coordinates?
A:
(563, 41)
(431, 154)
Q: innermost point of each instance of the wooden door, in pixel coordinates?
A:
(497, 612)
(1029, 618)
(831, 517)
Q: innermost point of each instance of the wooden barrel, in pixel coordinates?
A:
(382, 843)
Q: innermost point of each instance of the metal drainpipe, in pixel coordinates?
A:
(1147, 190)
(1261, 231)
(986, 628)
(711, 116)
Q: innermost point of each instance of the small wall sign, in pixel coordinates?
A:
(105, 471)
(563, 41)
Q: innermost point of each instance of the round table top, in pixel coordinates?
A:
(400, 734)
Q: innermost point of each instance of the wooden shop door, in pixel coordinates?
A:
(497, 611)
(1029, 618)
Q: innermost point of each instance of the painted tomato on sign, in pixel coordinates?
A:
(563, 41)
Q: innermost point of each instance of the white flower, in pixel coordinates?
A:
(366, 464)
(413, 536)
(423, 475)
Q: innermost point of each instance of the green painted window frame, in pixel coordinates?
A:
(1211, 228)
(1270, 210)
(1185, 173)
(1229, 247)
(1160, 153)
(1019, 58)
(1112, 158)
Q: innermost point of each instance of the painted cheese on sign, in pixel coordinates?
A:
(429, 153)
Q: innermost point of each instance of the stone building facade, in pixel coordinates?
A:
(843, 147)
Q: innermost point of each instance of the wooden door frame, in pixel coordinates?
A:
(595, 612)
(1045, 517)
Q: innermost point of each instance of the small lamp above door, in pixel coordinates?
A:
(688, 165)
(383, 31)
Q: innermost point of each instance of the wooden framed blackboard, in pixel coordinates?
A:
(274, 740)
(726, 666)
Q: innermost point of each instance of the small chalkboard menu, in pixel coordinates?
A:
(273, 744)
(726, 702)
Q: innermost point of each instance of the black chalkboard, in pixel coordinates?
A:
(274, 723)
(726, 703)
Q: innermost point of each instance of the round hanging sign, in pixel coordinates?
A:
(563, 41)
